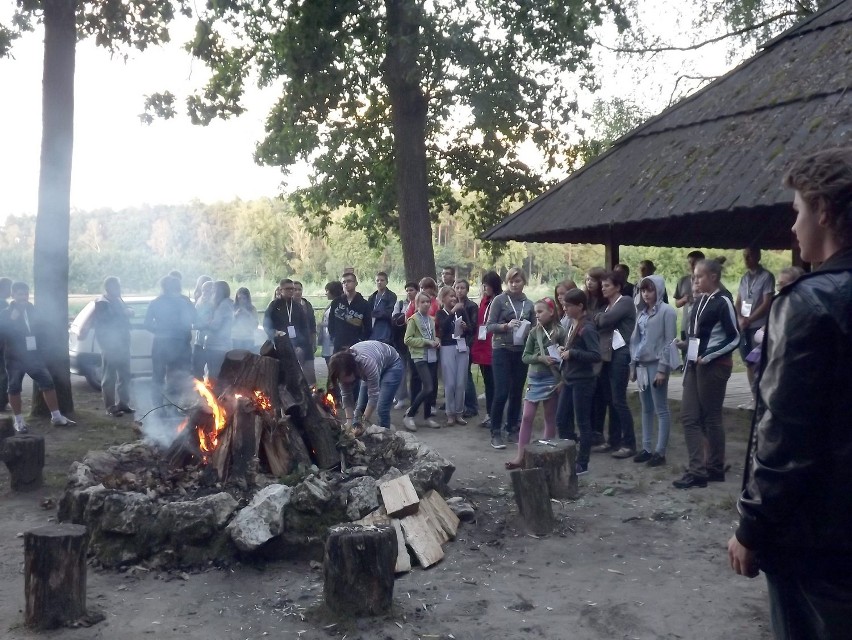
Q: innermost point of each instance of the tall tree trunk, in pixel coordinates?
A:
(50, 255)
(402, 76)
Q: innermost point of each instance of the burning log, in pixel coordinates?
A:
(186, 449)
(282, 448)
(238, 444)
(320, 429)
(245, 373)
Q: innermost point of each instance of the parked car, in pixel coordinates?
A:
(85, 353)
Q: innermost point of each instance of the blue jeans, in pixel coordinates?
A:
(389, 383)
(621, 430)
(655, 400)
(810, 608)
(575, 403)
(510, 374)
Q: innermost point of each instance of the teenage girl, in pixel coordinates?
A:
(453, 324)
(422, 342)
(541, 353)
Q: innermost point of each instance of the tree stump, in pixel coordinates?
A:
(557, 458)
(7, 427)
(55, 575)
(533, 499)
(24, 456)
(359, 569)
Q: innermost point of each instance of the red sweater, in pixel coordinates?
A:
(480, 350)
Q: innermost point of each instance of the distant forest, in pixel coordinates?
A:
(260, 241)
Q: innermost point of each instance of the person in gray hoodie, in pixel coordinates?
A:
(652, 357)
(218, 331)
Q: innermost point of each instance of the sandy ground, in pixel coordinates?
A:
(632, 558)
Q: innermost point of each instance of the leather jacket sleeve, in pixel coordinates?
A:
(800, 427)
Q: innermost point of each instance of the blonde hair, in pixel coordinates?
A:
(516, 272)
(444, 292)
(422, 294)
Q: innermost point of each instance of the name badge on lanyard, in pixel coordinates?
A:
(482, 333)
(291, 331)
(461, 345)
(431, 355)
(692, 350)
(31, 343)
(745, 309)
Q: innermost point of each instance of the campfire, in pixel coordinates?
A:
(260, 411)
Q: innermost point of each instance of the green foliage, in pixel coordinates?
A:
(491, 72)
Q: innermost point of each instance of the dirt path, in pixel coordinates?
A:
(633, 558)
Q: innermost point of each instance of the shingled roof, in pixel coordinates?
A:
(707, 171)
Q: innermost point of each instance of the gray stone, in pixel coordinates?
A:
(74, 502)
(196, 520)
(359, 470)
(463, 510)
(311, 495)
(431, 471)
(391, 474)
(80, 475)
(262, 519)
(361, 497)
(127, 513)
(101, 463)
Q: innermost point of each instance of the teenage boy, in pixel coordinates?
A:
(754, 296)
(796, 506)
(285, 315)
(381, 303)
(448, 276)
(349, 319)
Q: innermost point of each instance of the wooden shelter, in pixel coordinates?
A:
(707, 171)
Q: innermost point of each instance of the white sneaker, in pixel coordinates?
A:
(433, 424)
(746, 406)
(399, 404)
(62, 421)
(21, 428)
(408, 423)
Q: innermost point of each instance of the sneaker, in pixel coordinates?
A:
(642, 456)
(125, 409)
(115, 412)
(399, 404)
(581, 469)
(432, 423)
(746, 406)
(486, 424)
(688, 481)
(21, 428)
(62, 421)
(657, 460)
(409, 424)
(460, 420)
(715, 476)
(451, 421)
(497, 442)
(512, 437)
(623, 452)
(602, 448)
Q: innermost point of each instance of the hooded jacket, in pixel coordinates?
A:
(796, 506)
(349, 322)
(656, 328)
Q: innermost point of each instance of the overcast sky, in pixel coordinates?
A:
(120, 162)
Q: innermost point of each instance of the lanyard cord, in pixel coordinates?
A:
(289, 312)
(425, 326)
(706, 300)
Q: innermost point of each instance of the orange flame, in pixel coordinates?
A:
(262, 401)
(182, 425)
(218, 418)
(330, 404)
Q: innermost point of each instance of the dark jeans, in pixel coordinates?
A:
(488, 381)
(471, 402)
(427, 378)
(600, 404)
(575, 403)
(621, 429)
(810, 608)
(173, 358)
(704, 388)
(510, 374)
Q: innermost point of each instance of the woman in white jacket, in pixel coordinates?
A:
(652, 357)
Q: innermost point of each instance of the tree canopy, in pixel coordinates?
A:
(399, 106)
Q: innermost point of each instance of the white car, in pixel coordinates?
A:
(85, 353)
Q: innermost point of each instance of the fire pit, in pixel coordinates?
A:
(259, 466)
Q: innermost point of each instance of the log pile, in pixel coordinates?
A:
(259, 412)
(422, 525)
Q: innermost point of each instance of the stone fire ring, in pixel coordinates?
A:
(138, 511)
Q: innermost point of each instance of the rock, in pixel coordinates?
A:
(262, 519)
(431, 471)
(463, 510)
(361, 497)
(196, 520)
(80, 475)
(127, 513)
(101, 463)
(359, 470)
(75, 501)
(391, 474)
(311, 495)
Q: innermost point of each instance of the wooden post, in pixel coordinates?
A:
(7, 427)
(55, 575)
(359, 569)
(24, 456)
(557, 458)
(611, 257)
(533, 499)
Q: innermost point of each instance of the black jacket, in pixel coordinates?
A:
(349, 323)
(584, 347)
(796, 505)
(15, 331)
(281, 314)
